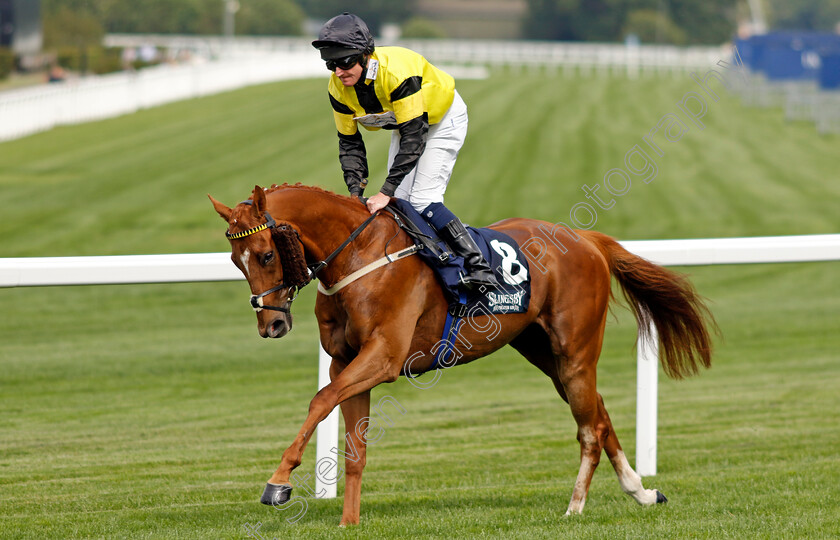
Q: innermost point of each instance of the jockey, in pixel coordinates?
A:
(397, 89)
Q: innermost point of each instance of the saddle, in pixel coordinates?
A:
(499, 250)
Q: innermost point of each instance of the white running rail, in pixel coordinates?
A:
(48, 271)
(246, 61)
(30, 110)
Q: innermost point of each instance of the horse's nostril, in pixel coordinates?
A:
(279, 328)
(276, 328)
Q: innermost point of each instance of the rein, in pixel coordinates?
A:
(323, 264)
(313, 270)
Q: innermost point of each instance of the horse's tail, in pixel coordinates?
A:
(669, 300)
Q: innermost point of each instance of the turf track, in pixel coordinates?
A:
(155, 411)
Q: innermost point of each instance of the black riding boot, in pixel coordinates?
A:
(456, 235)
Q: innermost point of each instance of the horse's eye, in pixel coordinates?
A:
(268, 257)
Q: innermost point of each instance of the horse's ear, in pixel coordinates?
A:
(223, 210)
(259, 201)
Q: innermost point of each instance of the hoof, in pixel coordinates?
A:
(660, 498)
(276, 494)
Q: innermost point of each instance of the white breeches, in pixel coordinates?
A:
(427, 181)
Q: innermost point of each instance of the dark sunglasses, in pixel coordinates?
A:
(344, 63)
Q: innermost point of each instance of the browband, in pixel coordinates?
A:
(269, 223)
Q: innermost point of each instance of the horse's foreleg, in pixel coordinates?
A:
(370, 368)
(319, 408)
(356, 411)
(278, 490)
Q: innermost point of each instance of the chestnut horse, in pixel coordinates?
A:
(372, 325)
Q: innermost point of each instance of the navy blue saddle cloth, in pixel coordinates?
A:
(500, 250)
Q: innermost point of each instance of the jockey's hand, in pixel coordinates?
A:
(377, 202)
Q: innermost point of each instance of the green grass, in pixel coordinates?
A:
(155, 411)
(20, 80)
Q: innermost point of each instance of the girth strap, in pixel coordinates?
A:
(450, 331)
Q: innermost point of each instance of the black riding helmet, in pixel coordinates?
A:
(342, 36)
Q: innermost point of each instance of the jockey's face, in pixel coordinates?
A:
(349, 76)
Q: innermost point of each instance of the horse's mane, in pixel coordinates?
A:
(298, 185)
(302, 187)
(287, 240)
(351, 203)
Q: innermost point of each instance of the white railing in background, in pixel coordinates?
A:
(30, 110)
(246, 61)
(602, 57)
(46, 271)
(466, 51)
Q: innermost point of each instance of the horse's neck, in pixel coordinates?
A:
(323, 220)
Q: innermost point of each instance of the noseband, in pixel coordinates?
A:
(257, 299)
(289, 251)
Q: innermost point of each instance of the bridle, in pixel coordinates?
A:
(271, 225)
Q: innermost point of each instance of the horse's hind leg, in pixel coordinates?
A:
(574, 379)
(630, 481)
(596, 432)
(595, 429)
(577, 377)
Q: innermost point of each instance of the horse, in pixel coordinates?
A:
(283, 236)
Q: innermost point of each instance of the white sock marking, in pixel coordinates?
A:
(631, 482)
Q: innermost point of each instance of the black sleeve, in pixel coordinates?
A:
(412, 143)
(353, 158)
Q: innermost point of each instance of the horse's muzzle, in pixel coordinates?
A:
(277, 328)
